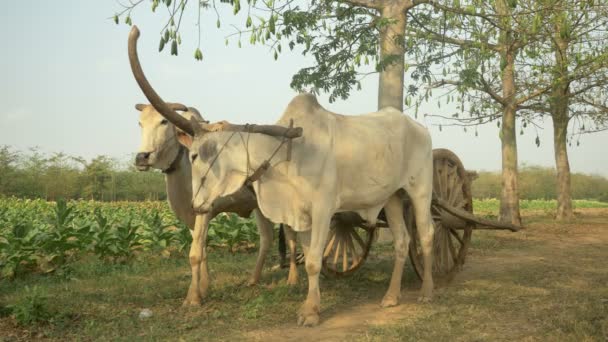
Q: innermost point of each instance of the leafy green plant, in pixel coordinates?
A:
(157, 234)
(182, 236)
(31, 308)
(18, 250)
(230, 231)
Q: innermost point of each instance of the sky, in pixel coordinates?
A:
(66, 86)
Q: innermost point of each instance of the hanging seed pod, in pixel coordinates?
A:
(174, 47)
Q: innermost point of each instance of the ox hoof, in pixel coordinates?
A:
(292, 281)
(308, 317)
(309, 320)
(190, 302)
(426, 294)
(389, 301)
(424, 299)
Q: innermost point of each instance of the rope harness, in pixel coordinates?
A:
(257, 174)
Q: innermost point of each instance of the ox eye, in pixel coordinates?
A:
(139, 123)
(164, 122)
(194, 156)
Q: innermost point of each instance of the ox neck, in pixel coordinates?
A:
(179, 189)
(175, 164)
(259, 152)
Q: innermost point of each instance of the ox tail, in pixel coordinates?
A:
(282, 246)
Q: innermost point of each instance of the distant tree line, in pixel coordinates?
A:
(540, 183)
(34, 174)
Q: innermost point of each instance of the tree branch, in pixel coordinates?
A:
(372, 4)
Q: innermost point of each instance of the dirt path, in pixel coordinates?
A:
(544, 242)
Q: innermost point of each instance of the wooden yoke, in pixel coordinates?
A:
(272, 130)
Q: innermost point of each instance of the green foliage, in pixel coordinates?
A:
(47, 237)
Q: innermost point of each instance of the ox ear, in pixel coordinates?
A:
(195, 113)
(184, 139)
(140, 106)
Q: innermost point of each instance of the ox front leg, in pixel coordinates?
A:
(290, 235)
(394, 214)
(314, 242)
(199, 284)
(265, 227)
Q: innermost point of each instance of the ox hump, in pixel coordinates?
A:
(305, 102)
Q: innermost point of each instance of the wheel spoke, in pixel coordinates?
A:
(345, 254)
(444, 178)
(354, 253)
(455, 234)
(456, 191)
(337, 251)
(452, 249)
(330, 245)
(359, 240)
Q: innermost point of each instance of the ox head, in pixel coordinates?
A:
(219, 161)
(159, 138)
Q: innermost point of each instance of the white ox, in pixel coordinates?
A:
(341, 163)
(160, 149)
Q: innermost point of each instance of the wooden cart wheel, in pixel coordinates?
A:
(452, 235)
(347, 247)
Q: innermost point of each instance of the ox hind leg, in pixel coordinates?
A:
(421, 194)
(394, 215)
(313, 243)
(265, 227)
(290, 236)
(199, 284)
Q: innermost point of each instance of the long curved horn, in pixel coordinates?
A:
(152, 96)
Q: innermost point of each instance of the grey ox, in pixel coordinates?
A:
(341, 163)
(160, 149)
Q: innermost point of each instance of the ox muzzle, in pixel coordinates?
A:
(142, 161)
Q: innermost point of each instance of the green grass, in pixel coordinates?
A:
(490, 206)
(103, 301)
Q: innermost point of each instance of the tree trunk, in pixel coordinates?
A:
(559, 114)
(564, 199)
(390, 87)
(509, 200)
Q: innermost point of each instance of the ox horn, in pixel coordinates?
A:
(174, 106)
(163, 108)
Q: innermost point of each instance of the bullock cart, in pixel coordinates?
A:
(350, 238)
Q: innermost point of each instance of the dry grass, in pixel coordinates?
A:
(548, 282)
